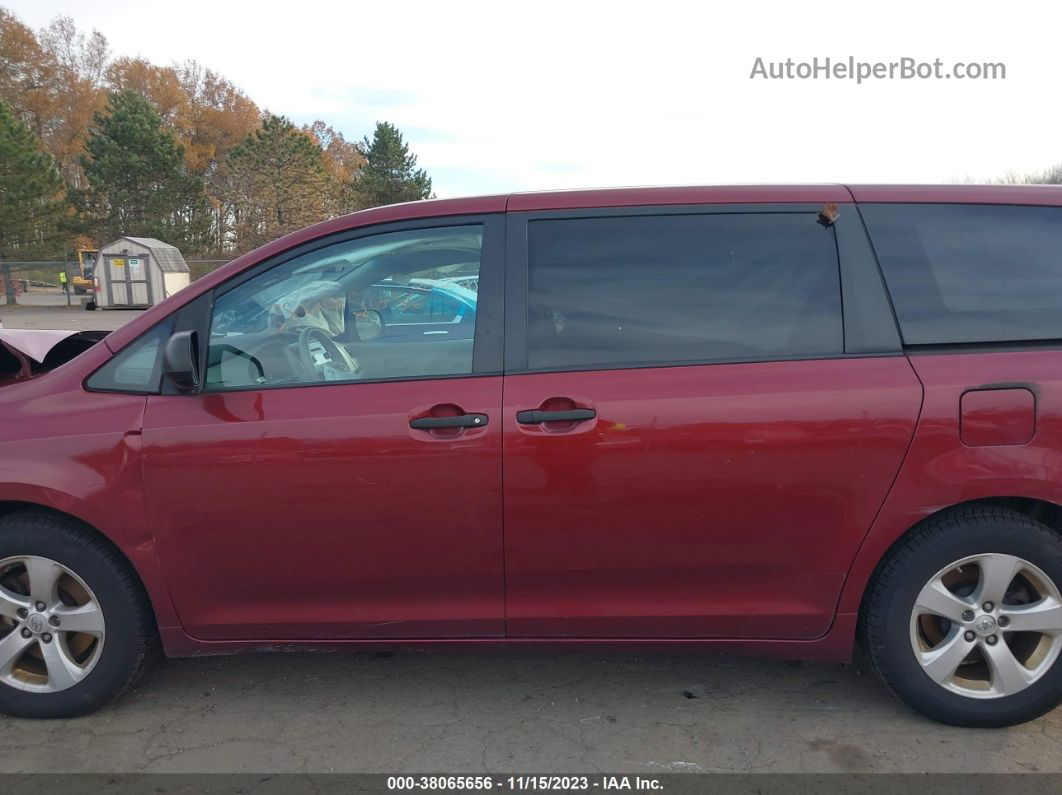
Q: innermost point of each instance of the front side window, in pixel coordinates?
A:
(377, 307)
(681, 288)
(970, 273)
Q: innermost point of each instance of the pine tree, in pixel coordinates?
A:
(32, 204)
(279, 182)
(390, 174)
(138, 183)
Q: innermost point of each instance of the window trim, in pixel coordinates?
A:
(487, 351)
(868, 325)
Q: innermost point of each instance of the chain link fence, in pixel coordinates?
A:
(47, 271)
(42, 276)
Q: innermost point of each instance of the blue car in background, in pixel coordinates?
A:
(421, 310)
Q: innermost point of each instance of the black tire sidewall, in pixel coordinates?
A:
(895, 656)
(118, 657)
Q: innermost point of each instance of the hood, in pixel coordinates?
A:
(28, 353)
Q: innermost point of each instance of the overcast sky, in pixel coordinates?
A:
(503, 96)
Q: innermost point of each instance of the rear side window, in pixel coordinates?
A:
(681, 288)
(970, 273)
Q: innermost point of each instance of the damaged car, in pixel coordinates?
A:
(757, 420)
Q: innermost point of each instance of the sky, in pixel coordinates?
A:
(503, 96)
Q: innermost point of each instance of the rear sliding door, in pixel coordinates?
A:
(693, 446)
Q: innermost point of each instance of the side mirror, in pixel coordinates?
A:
(180, 360)
(369, 324)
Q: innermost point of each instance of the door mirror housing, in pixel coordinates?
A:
(180, 361)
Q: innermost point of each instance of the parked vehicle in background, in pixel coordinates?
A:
(422, 308)
(764, 420)
(469, 282)
(83, 281)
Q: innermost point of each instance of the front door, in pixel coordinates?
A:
(688, 451)
(325, 485)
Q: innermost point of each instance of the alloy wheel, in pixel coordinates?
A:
(987, 626)
(52, 627)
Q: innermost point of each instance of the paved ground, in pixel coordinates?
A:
(504, 712)
(47, 296)
(39, 315)
(496, 712)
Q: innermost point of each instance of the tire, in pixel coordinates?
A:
(106, 663)
(912, 646)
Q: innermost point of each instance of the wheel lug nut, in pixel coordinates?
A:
(967, 615)
(26, 633)
(41, 607)
(53, 620)
(969, 635)
(47, 638)
(23, 612)
(1003, 621)
(988, 607)
(991, 640)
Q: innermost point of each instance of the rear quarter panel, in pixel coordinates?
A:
(941, 470)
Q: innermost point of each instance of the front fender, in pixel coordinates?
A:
(78, 453)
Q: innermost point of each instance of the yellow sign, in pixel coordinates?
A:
(118, 263)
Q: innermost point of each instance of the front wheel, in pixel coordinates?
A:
(75, 626)
(963, 620)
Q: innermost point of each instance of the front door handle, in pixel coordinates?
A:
(538, 416)
(460, 421)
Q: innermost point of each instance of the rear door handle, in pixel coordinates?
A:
(538, 416)
(461, 421)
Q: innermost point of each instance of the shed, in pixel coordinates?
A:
(139, 272)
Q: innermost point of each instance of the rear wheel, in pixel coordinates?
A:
(964, 619)
(75, 626)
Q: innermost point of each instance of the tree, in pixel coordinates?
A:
(344, 161)
(207, 114)
(32, 205)
(1052, 176)
(138, 183)
(390, 174)
(54, 84)
(277, 182)
(1049, 176)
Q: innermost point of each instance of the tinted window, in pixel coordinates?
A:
(971, 273)
(376, 307)
(681, 288)
(137, 367)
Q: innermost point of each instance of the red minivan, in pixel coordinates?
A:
(763, 420)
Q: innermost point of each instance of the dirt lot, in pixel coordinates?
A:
(467, 713)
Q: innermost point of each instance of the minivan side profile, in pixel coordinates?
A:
(757, 420)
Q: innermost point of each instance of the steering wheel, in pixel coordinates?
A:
(321, 356)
